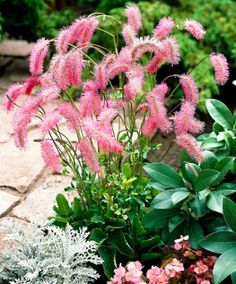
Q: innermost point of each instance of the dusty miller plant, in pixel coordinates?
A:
(48, 255)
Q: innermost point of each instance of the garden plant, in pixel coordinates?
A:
(106, 110)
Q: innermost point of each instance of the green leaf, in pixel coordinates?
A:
(220, 113)
(223, 166)
(117, 237)
(150, 256)
(98, 235)
(108, 254)
(175, 221)
(204, 179)
(211, 143)
(180, 195)
(158, 218)
(76, 208)
(137, 227)
(233, 278)
(224, 266)
(150, 242)
(210, 161)
(219, 242)
(63, 206)
(190, 171)
(164, 175)
(195, 233)
(229, 211)
(198, 206)
(126, 170)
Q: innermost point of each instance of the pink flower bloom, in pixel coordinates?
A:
(49, 122)
(76, 30)
(134, 272)
(119, 274)
(194, 28)
(174, 267)
(134, 265)
(123, 56)
(20, 123)
(31, 105)
(46, 80)
(74, 65)
(116, 68)
(58, 68)
(145, 44)
(189, 143)
(89, 155)
(38, 54)
(154, 63)
(185, 121)
(71, 114)
(63, 40)
(12, 95)
(150, 126)
(30, 84)
(134, 17)
(142, 107)
(101, 76)
(49, 94)
(105, 119)
(134, 86)
(163, 28)
(128, 34)
(170, 50)
(202, 281)
(200, 267)
(89, 27)
(89, 104)
(157, 275)
(161, 91)
(221, 68)
(50, 157)
(190, 89)
(90, 86)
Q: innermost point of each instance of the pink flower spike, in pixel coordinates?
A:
(31, 83)
(221, 68)
(170, 50)
(89, 27)
(105, 119)
(163, 28)
(38, 54)
(50, 157)
(89, 104)
(190, 89)
(194, 28)
(145, 44)
(63, 41)
(190, 144)
(128, 34)
(49, 122)
(90, 86)
(20, 123)
(89, 155)
(134, 17)
(12, 95)
(161, 91)
(142, 107)
(101, 76)
(154, 63)
(150, 126)
(74, 64)
(71, 114)
(49, 94)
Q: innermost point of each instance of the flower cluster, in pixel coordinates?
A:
(92, 117)
(186, 264)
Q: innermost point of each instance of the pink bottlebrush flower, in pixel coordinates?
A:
(71, 114)
(145, 44)
(142, 107)
(60, 71)
(163, 28)
(116, 68)
(109, 59)
(134, 86)
(190, 144)
(49, 122)
(123, 56)
(154, 63)
(170, 50)
(194, 28)
(31, 105)
(221, 68)
(118, 104)
(190, 89)
(128, 34)
(20, 123)
(38, 54)
(50, 157)
(89, 104)
(90, 86)
(12, 95)
(101, 76)
(63, 40)
(89, 155)
(157, 275)
(174, 268)
(89, 27)
(46, 81)
(49, 94)
(74, 65)
(161, 91)
(184, 120)
(105, 119)
(31, 83)
(134, 17)
(150, 126)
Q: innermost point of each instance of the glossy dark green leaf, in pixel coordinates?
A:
(63, 206)
(158, 218)
(175, 221)
(229, 211)
(118, 239)
(190, 171)
(150, 256)
(195, 233)
(223, 166)
(204, 179)
(108, 255)
(210, 161)
(199, 206)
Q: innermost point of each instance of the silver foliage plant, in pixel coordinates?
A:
(47, 256)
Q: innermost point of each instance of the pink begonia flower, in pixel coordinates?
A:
(163, 28)
(134, 17)
(221, 68)
(194, 28)
(178, 246)
(174, 267)
(157, 275)
(38, 54)
(50, 157)
(200, 267)
(202, 281)
(190, 89)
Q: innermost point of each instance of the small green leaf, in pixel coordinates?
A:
(229, 211)
(198, 206)
(190, 171)
(220, 113)
(223, 166)
(126, 170)
(150, 256)
(219, 242)
(204, 179)
(108, 255)
(117, 237)
(210, 161)
(195, 233)
(63, 206)
(224, 266)
(158, 218)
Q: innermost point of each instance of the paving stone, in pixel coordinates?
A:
(39, 203)
(16, 48)
(7, 202)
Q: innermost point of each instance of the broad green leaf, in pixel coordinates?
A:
(150, 242)
(76, 206)
(63, 206)
(150, 256)
(163, 174)
(211, 143)
(233, 278)
(137, 227)
(195, 233)
(189, 171)
(180, 195)
(210, 161)
(108, 255)
(225, 265)
(126, 170)
(117, 237)
(199, 206)
(217, 128)
(220, 113)
(175, 221)
(204, 179)
(219, 242)
(230, 141)
(229, 211)
(223, 166)
(158, 218)
(98, 235)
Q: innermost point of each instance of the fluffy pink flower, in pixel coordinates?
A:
(49, 122)
(76, 30)
(190, 89)
(135, 83)
(117, 67)
(145, 44)
(194, 28)
(38, 54)
(31, 83)
(105, 119)
(163, 28)
(89, 104)
(221, 68)
(142, 107)
(101, 76)
(63, 40)
(174, 267)
(170, 50)
(74, 65)
(50, 157)
(184, 120)
(71, 114)
(134, 17)
(20, 124)
(123, 56)
(128, 34)
(89, 27)
(59, 71)
(89, 155)
(30, 105)
(46, 80)
(150, 126)
(154, 63)
(90, 86)
(161, 91)
(49, 94)
(157, 275)
(190, 144)
(12, 95)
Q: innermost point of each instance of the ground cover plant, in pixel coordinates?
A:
(112, 117)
